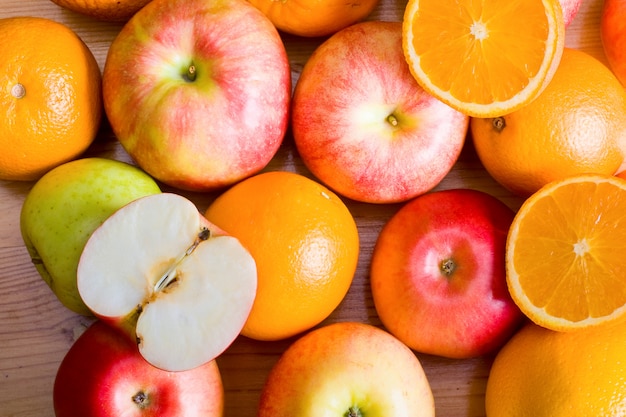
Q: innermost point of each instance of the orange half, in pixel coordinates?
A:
(484, 58)
(565, 260)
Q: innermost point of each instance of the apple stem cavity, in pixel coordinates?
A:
(353, 411)
(448, 267)
(141, 400)
(170, 275)
(392, 120)
(190, 74)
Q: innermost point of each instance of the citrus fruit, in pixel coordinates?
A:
(565, 253)
(542, 373)
(313, 18)
(50, 97)
(106, 10)
(305, 243)
(575, 126)
(484, 59)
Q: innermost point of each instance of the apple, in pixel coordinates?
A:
(362, 124)
(438, 276)
(198, 92)
(613, 36)
(103, 375)
(65, 206)
(570, 10)
(347, 369)
(172, 281)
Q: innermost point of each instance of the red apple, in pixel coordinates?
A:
(103, 375)
(362, 124)
(613, 35)
(438, 274)
(198, 92)
(347, 369)
(570, 10)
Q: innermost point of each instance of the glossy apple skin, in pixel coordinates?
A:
(103, 375)
(351, 91)
(465, 313)
(570, 10)
(63, 209)
(221, 127)
(340, 365)
(613, 36)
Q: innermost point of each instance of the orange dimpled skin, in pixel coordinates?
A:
(305, 244)
(50, 99)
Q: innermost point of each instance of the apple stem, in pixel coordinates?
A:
(170, 275)
(190, 75)
(447, 267)
(392, 120)
(353, 411)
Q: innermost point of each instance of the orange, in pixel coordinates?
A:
(50, 97)
(313, 18)
(565, 250)
(304, 241)
(106, 10)
(483, 58)
(542, 373)
(576, 126)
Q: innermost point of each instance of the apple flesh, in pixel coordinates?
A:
(104, 375)
(362, 124)
(347, 369)
(613, 36)
(65, 206)
(171, 280)
(198, 92)
(438, 274)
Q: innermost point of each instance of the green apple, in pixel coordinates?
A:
(65, 206)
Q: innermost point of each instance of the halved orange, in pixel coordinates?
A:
(565, 260)
(484, 58)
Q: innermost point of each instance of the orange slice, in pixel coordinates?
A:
(483, 58)
(565, 260)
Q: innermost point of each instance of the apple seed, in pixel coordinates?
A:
(169, 277)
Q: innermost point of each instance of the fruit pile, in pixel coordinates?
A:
(200, 97)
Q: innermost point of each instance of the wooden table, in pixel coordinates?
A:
(36, 330)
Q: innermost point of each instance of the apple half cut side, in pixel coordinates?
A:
(166, 276)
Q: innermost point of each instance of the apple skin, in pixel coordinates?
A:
(465, 313)
(207, 132)
(104, 375)
(336, 367)
(570, 10)
(362, 124)
(613, 36)
(63, 209)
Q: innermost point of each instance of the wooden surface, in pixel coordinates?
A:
(36, 330)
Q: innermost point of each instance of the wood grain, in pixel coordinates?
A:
(36, 330)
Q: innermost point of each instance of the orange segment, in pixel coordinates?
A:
(484, 58)
(565, 253)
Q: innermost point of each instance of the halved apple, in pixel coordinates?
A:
(173, 281)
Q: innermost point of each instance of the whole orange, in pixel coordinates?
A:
(51, 99)
(107, 10)
(312, 18)
(305, 243)
(545, 373)
(577, 125)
